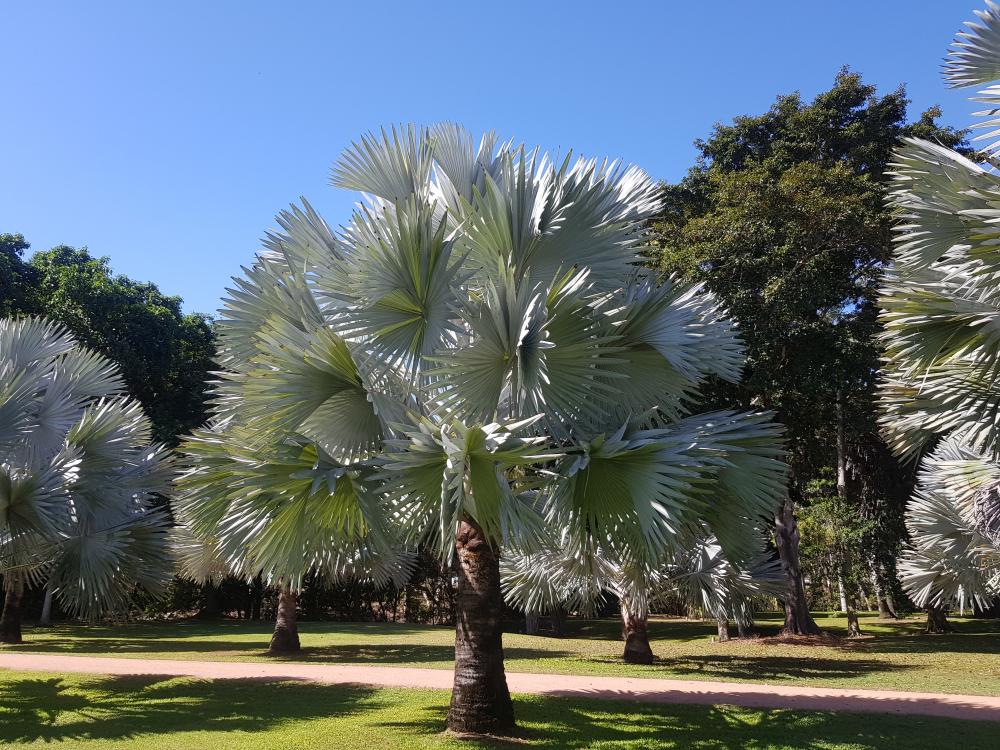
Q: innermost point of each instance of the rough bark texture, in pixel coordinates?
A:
(10, 621)
(636, 635)
(480, 700)
(885, 609)
(853, 626)
(286, 629)
(723, 629)
(937, 623)
(798, 621)
(46, 619)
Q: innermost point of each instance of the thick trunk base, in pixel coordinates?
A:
(853, 626)
(885, 611)
(480, 699)
(723, 630)
(798, 621)
(10, 621)
(636, 634)
(286, 629)
(937, 622)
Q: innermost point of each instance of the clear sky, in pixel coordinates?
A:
(167, 135)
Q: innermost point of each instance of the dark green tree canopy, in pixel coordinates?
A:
(17, 278)
(784, 217)
(164, 355)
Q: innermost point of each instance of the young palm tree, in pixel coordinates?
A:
(77, 477)
(476, 357)
(204, 561)
(942, 335)
(698, 570)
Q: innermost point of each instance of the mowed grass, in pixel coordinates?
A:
(894, 655)
(133, 713)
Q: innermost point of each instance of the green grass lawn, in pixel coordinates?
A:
(104, 713)
(895, 656)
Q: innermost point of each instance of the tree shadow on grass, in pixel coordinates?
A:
(774, 668)
(404, 654)
(583, 723)
(52, 709)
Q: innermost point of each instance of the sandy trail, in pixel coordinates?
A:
(639, 690)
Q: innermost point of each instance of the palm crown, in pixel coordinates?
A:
(78, 475)
(480, 342)
(942, 335)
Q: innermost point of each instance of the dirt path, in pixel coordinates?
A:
(639, 690)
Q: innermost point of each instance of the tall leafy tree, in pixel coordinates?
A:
(784, 218)
(942, 333)
(78, 476)
(164, 355)
(17, 279)
(478, 356)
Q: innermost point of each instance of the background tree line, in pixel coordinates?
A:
(783, 216)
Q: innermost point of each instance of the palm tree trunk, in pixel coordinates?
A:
(798, 621)
(10, 621)
(723, 629)
(46, 619)
(531, 623)
(636, 634)
(286, 629)
(480, 700)
(937, 623)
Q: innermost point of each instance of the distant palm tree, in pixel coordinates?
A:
(697, 571)
(478, 356)
(78, 477)
(942, 336)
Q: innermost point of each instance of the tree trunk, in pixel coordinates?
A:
(798, 621)
(741, 629)
(480, 700)
(636, 635)
(885, 610)
(286, 629)
(46, 619)
(843, 594)
(531, 623)
(937, 623)
(853, 626)
(723, 626)
(10, 621)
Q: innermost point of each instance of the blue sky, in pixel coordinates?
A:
(167, 135)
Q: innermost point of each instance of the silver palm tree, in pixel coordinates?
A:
(942, 336)
(476, 357)
(697, 571)
(78, 477)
